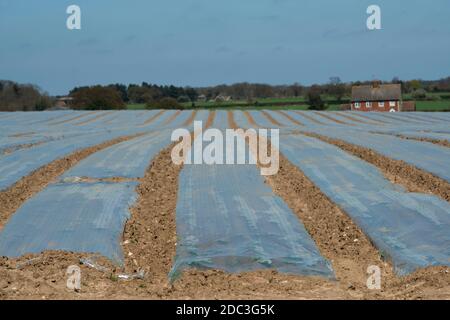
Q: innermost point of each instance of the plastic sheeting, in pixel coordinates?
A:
(21, 163)
(71, 217)
(228, 219)
(410, 229)
(128, 159)
(427, 156)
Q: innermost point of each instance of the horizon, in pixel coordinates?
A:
(199, 43)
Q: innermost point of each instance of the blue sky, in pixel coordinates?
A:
(209, 42)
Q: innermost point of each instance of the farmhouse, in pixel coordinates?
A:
(63, 102)
(377, 97)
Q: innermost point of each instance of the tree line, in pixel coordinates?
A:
(116, 96)
(22, 97)
(26, 97)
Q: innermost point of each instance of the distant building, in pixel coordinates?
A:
(221, 98)
(377, 97)
(201, 98)
(63, 102)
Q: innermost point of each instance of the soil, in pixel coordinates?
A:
(396, 171)
(271, 119)
(173, 117)
(250, 119)
(101, 115)
(392, 120)
(356, 119)
(442, 143)
(355, 114)
(154, 117)
(303, 114)
(287, 116)
(71, 119)
(12, 198)
(191, 118)
(25, 134)
(323, 115)
(149, 244)
(210, 120)
(20, 147)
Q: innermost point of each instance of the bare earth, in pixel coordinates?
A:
(149, 244)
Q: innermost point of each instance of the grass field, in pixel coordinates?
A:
(442, 103)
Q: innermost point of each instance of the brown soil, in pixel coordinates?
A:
(250, 119)
(71, 119)
(303, 114)
(191, 118)
(271, 119)
(154, 117)
(337, 237)
(210, 120)
(173, 117)
(415, 119)
(231, 122)
(60, 117)
(20, 147)
(104, 114)
(18, 135)
(393, 120)
(368, 119)
(442, 143)
(386, 120)
(323, 115)
(110, 120)
(396, 171)
(295, 121)
(12, 198)
(355, 119)
(150, 243)
(150, 234)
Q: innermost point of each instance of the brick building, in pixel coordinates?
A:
(377, 97)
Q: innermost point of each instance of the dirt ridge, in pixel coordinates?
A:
(396, 171)
(12, 198)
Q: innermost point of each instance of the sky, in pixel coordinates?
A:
(209, 42)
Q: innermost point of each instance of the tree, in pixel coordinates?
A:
(97, 98)
(314, 98)
(415, 84)
(336, 88)
(164, 103)
(419, 94)
(19, 97)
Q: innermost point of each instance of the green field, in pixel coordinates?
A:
(136, 106)
(442, 103)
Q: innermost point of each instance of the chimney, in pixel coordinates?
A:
(376, 83)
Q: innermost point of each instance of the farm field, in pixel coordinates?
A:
(99, 190)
